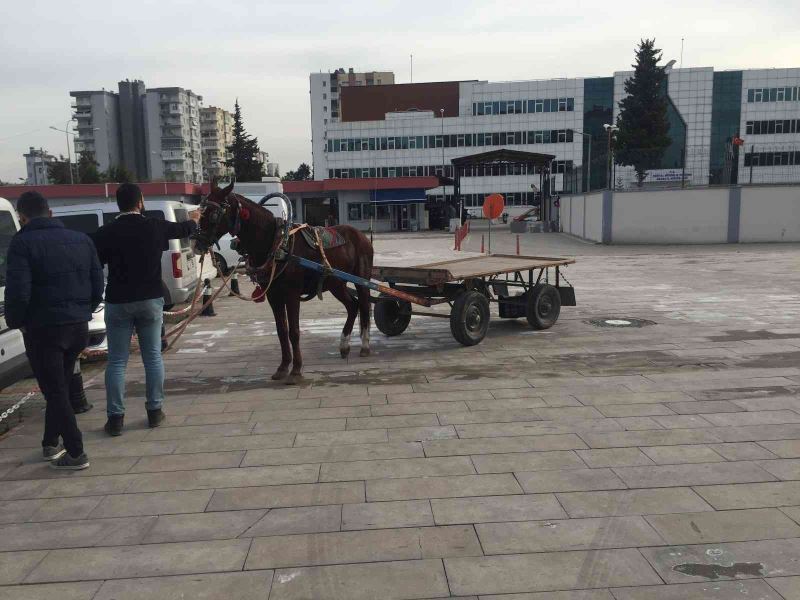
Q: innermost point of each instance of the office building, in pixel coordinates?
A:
(406, 130)
(172, 134)
(97, 123)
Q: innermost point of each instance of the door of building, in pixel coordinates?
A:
(400, 217)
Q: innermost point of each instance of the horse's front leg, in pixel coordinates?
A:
(279, 310)
(293, 312)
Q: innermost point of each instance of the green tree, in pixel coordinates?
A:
(302, 173)
(58, 171)
(643, 126)
(244, 151)
(117, 174)
(87, 169)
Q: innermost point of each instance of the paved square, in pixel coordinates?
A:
(577, 463)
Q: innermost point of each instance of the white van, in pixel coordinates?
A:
(178, 264)
(13, 362)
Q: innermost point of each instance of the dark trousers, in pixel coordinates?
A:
(52, 352)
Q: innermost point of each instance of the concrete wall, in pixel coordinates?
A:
(770, 214)
(690, 216)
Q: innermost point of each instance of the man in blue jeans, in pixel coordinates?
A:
(131, 246)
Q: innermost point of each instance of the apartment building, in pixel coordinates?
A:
(216, 134)
(37, 163)
(325, 102)
(97, 123)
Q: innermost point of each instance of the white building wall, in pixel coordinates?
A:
(765, 111)
(770, 214)
(107, 137)
(320, 98)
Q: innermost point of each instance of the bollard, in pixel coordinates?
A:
(77, 395)
(234, 285)
(517, 244)
(208, 311)
(482, 247)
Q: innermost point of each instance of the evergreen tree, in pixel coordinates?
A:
(302, 173)
(58, 171)
(87, 169)
(244, 152)
(643, 126)
(117, 174)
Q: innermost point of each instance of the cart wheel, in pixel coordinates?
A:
(469, 318)
(392, 316)
(544, 306)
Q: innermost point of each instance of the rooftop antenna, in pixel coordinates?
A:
(412, 68)
(681, 64)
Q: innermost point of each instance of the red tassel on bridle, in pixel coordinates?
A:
(244, 213)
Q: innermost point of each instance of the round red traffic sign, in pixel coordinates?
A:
(493, 206)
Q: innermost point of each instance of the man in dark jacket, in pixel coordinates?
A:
(54, 282)
(131, 246)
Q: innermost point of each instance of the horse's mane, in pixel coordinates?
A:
(260, 217)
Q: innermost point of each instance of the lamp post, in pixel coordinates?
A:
(69, 152)
(610, 129)
(589, 160)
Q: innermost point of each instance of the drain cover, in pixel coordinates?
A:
(620, 322)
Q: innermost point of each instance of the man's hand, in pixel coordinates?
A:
(195, 216)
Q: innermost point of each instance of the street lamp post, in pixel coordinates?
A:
(69, 152)
(610, 129)
(589, 160)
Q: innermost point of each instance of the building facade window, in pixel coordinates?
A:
(772, 126)
(500, 138)
(557, 166)
(517, 107)
(779, 94)
(772, 159)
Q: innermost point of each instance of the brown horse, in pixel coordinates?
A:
(268, 245)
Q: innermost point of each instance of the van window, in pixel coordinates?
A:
(84, 223)
(7, 231)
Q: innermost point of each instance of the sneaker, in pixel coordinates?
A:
(85, 407)
(68, 463)
(113, 426)
(52, 452)
(155, 417)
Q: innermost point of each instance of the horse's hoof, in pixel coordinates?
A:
(344, 352)
(364, 352)
(294, 379)
(279, 374)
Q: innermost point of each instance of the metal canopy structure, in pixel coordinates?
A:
(503, 156)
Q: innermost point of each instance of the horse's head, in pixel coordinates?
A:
(215, 220)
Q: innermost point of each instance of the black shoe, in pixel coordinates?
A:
(52, 452)
(68, 463)
(78, 410)
(113, 426)
(155, 417)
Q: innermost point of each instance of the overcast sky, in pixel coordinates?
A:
(262, 52)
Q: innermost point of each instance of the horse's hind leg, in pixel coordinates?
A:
(363, 312)
(339, 289)
(279, 311)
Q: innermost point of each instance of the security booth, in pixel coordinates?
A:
(536, 166)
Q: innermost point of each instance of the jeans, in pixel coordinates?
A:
(146, 317)
(52, 352)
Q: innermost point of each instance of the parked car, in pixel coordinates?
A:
(13, 362)
(178, 265)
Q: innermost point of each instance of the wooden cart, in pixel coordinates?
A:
(522, 286)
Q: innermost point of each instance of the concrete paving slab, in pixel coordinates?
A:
(276, 496)
(411, 543)
(253, 585)
(548, 571)
(496, 509)
(724, 526)
(631, 502)
(569, 480)
(63, 591)
(712, 590)
(441, 487)
(569, 534)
